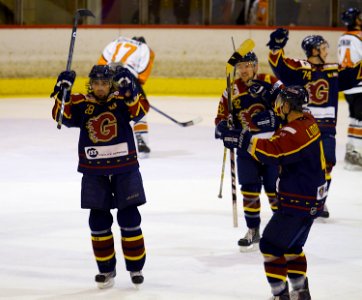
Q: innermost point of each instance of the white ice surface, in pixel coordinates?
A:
(192, 253)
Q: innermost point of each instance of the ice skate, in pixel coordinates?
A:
(105, 280)
(353, 160)
(143, 149)
(137, 277)
(284, 295)
(325, 213)
(301, 294)
(251, 240)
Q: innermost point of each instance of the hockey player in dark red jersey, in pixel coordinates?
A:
(301, 189)
(247, 103)
(108, 161)
(322, 80)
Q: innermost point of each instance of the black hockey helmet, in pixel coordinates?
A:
(139, 39)
(103, 72)
(311, 42)
(248, 57)
(296, 96)
(350, 16)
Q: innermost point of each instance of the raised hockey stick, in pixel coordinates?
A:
(79, 13)
(247, 46)
(183, 124)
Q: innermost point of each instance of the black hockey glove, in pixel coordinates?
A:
(237, 138)
(127, 85)
(65, 81)
(221, 128)
(264, 90)
(278, 39)
(266, 121)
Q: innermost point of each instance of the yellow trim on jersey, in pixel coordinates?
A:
(290, 152)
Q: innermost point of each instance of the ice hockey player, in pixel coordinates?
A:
(322, 80)
(350, 53)
(248, 100)
(108, 162)
(301, 189)
(138, 58)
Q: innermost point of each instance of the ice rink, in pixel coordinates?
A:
(191, 245)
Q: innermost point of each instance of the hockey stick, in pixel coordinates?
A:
(247, 46)
(79, 13)
(183, 124)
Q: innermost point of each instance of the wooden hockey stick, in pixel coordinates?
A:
(79, 13)
(247, 46)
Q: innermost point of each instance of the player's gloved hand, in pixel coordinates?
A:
(220, 129)
(237, 138)
(278, 39)
(65, 81)
(266, 121)
(264, 90)
(127, 85)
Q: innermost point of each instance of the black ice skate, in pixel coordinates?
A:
(325, 213)
(143, 149)
(250, 241)
(105, 280)
(136, 277)
(303, 293)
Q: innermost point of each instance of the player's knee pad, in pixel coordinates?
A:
(129, 217)
(100, 220)
(253, 188)
(267, 248)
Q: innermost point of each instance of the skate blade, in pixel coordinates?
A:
(106, 285)
(143, 155)
(352, 167)
(252, 248)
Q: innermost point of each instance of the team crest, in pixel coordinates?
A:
(102, 128)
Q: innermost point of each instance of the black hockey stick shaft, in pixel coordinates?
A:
(232, 153)
(79, 13)
(183, 124)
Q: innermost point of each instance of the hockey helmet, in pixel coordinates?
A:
(350, 16)
(248, 57)
(311, 42)
(139, 39)
(102, 72)
(296, 96)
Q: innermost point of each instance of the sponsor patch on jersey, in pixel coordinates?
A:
(104, 152)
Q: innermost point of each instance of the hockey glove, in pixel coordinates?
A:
(264, 90)
(266, 121)
(65, 81)
(278, 39)
(237, 138)
(221, 128)
(127, 85)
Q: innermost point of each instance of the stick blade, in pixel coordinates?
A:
(83, 12)
(190, 123)
(246, 46)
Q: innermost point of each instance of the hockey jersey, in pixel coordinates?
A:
(323, 83)
(298, 150)
(350, 53)
(106, 144)
(244, 105)
(134, 55)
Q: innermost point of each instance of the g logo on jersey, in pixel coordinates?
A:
(102, 128)
(318, 91)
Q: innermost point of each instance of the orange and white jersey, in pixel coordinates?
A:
(135, 55)
(350, 53)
